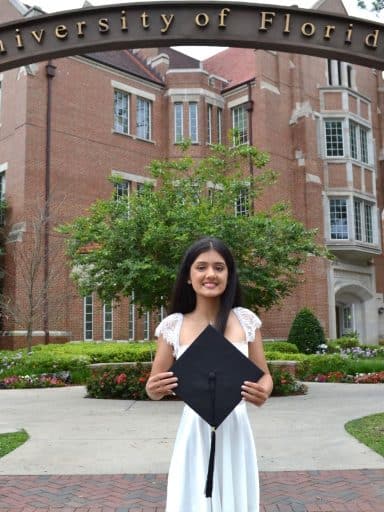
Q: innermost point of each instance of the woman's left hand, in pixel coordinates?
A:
(254, 392)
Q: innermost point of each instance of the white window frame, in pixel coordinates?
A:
(240, 124)
(360, 142)
(209, 123)
(346, 200)
(219, 122)
(132, 318)
(242, 203)
(178, 114)
(193, 118)
(108, 337)
(147, 122)
(1, 96)
(327, 122)
(86, 320)
(121, 116)
(147, 325)
(123, 189)
(2, 193)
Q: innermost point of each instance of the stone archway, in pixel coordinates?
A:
(155, 24)
(355, 311)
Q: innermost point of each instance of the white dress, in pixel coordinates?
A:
(235, 479)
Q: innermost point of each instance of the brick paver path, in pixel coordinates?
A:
(303, 491)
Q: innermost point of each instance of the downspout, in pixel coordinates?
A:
(51, 72)
(249, 108)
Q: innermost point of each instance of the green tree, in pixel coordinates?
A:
(306, 332)
(137, 243)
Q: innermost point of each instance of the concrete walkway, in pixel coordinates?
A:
(115, 454)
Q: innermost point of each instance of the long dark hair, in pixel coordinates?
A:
(183, 298)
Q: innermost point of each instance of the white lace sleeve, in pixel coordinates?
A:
(169, 329)
(249, 322)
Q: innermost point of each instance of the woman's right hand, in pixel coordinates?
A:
(160, 385)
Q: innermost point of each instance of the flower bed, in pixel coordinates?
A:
(338, 376)
(34, 381)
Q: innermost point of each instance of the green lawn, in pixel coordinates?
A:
(9, 442)
(369, 430)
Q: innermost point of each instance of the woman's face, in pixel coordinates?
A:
(209, 274)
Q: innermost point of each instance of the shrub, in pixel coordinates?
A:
(281, 346)
(284, 383)
(306, 332)
(127, 383)
(324, 364)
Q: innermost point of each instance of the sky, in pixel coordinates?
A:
(202, 52)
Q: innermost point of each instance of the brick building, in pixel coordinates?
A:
(68, 125)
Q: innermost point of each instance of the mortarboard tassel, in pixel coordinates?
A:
(211, 463)
(209, 482)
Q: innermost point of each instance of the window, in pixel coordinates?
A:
(353, 139)
(2, 197)
(368, 223)
(339, 73)
(131, 319)
(143, 118)
(219, 128)
(363, 144)
(179, 121)
(349, 75)
(242, 203)
(209, 124)
(334, 138)
(193, 124)
(347, 318)
(147, 325)
(1, 89)
(362, 219)
(358, 225)
(107, 321)
(240, 125)
(121, 112)
(88, 318)
(338, 219)
(122, 189)
(358, 136)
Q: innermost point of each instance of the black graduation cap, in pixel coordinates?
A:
(210, 375)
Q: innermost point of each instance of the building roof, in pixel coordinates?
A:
(237, 65)
(178, 60)
(127, 61)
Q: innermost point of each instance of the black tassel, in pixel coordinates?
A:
(211, 464)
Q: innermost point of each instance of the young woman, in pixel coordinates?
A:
(207, 291)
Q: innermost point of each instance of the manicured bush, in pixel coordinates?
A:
(281, 346)
(324, 364)
(306, 332)
(72, 357)
(284, 383)
(126, 383)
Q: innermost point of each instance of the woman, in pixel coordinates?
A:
(207, 291)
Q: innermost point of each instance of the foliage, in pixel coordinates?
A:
(369, 430)
(306, 332)
(11, 441)
(137, 243)
(33, 381)
(72, 357)
(120, 382)
(314, 365)
(375, 5)
(38, 282)
(281, 346)
(284, 383)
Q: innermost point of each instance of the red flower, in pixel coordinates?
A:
(121, 379)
